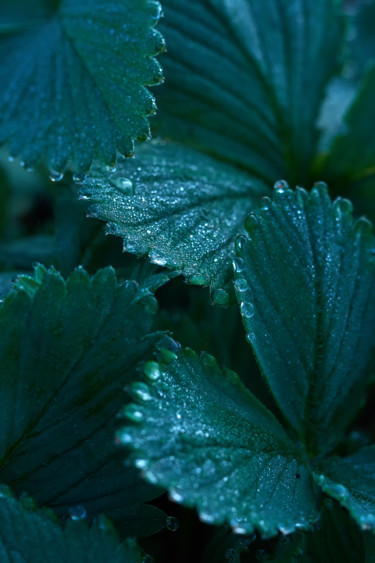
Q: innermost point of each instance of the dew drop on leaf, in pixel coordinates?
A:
(77, 512)
(172, 523)
(56, 175)
(151, 371)
(124, 185)
(79, 177)
(281, 186)
(247, 309)
(132, 412)
(265, 203)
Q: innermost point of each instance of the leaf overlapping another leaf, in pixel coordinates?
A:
(305, 283)
(245, 79)
(351, 480)
(180, 207)
(203, 435)
(66, 352)
(35, 536)
(74, 82)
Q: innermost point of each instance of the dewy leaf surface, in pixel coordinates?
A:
(35, 536)
(245, 79)
(180, 207)
(67, 350)
(203, 435)
(351, 481)
(73, 82)
(305, 284)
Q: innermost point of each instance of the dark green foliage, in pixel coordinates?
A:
(101, 410)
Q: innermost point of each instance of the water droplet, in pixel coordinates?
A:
(141, 463)
(344, 206)
(123, 436)
(132, 286)
(157, 259)
(265, 203)
(77, 512)
(172, 524)
(56, 175)
(240, 244)
(124, 185)
(168, 343)
(133, 412)
(111, 168)
(220, 297)
(79, 177)
(151, 371)
(251, 223)
(148, 559)
(241, 285)
(281, 186)
(230, 554)
(338, 491)
(247, 309)
(11, 158)
(238, 265)
(176, 496)
(367, 522)
(141, 391)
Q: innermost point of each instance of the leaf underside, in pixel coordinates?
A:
(245, 79)
(305, 284)
(351, 481)
(74, 82)
(180, 207)
(201, 434)
(66, 352)
(34, 536)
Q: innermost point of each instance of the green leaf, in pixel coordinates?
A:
(336, 539)
(205, 437)
(305, 284)
(352, 156)
(178, 206)
(35, 536)
(66, 352)
(351, 481)
(245, 79)
(74, 82)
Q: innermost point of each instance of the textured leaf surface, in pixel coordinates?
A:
(351, 480)
(179, 206)
(34, 536)
(73, 81)
(352, 156)
(305, 283)
(204, 436)
(244, 79)
(66, 352)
